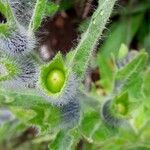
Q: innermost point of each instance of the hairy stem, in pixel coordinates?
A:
(90, 38)
(37, 15)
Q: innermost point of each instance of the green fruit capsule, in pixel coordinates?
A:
(121, 109)
(53, 76)
(55, 80)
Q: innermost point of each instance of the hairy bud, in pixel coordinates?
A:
(70, 113)
(109, 117)
(26, 74)
(23, 10)
(19, 42)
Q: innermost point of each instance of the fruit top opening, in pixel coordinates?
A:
(121, 109)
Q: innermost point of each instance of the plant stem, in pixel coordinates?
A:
(37, 15)
(90, 38)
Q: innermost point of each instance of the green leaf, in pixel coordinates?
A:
(4, 29)
(137, 8)
(112, 45)
(130, 76)
(63, 141)
(147, 43)
(133, 24)
(6, 10)
(9, 130)
(145, 132)
(32, 109)
(84, 25)
(76, 137)
(51, 9)
(69, 57)
(92, 128)
(38, 15)
(140, 117)
(134, 86)
(107, 71)
(23, 115)
(3, 9)
(123, 51)
(135, 66)
(89, 39)
(146, 83)
(124, 30)
(64, 5)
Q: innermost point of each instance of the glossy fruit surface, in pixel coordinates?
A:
(55, 80)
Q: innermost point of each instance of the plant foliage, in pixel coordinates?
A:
(50, 97)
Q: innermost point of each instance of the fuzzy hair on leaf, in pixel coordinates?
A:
(27, 74)
(23, 10)
(121, 63)
(18, 43)
(70, 113)
(109, 118)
